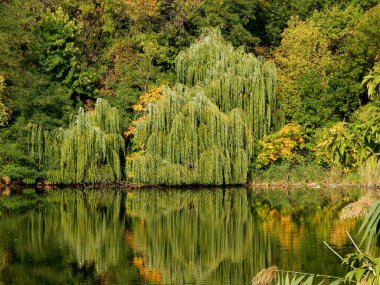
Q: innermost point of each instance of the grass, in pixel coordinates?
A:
(313, 175)
(369, 173)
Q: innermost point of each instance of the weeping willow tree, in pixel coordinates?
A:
(88, 151)
(202, 130)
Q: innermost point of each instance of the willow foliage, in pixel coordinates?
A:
(88, 151)
(232, 79)
(202, 130)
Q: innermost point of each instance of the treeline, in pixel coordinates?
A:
(58, 56)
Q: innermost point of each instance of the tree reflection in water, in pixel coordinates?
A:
(208, 236)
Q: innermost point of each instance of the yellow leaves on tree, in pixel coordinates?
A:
(285, 144)
(137, 9)
(152, 96)
(153, 275)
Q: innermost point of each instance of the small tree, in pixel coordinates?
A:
(88, 151)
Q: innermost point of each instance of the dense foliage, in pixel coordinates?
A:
(58, 56)
(350, 144)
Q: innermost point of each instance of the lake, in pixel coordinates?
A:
(170, 236)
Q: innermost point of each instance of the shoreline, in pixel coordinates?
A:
(5, 190)
(7, 186)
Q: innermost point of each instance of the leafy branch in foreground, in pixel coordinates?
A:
(286, 277)
(371, 225)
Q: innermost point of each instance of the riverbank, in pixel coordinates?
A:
(312, 176)
(277, 176)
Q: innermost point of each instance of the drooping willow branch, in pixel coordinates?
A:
(232, 79)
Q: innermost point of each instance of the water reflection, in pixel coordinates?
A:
(168, 236)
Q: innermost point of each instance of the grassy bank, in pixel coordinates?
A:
(314, 176)
(283, 174)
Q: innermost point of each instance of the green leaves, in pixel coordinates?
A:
(285, 277)
(372, 82)
(351, 144)
(370, 227)
(5, 113)
(364, 267)
(58, 50)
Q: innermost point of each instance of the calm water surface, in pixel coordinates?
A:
(211, 236)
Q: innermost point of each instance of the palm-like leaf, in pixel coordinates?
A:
(272, 274)
(371, 225)
(372, 82)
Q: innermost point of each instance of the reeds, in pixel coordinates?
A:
(266, 276)
(360, 207)
(272, 275)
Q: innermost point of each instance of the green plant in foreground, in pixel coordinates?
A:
(362, 266)
(372, 82)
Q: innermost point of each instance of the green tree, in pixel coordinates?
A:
(273, 17)
(60, 55)
(29, 93)
(236, 18)
(321, 72)
(303, 61)
(88, 151)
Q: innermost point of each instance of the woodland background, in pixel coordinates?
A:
(57, 56)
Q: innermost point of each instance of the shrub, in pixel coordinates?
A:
(351, 144)
(287, 144)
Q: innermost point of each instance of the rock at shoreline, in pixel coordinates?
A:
(5, 186)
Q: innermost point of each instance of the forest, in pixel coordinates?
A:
(190, 92)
